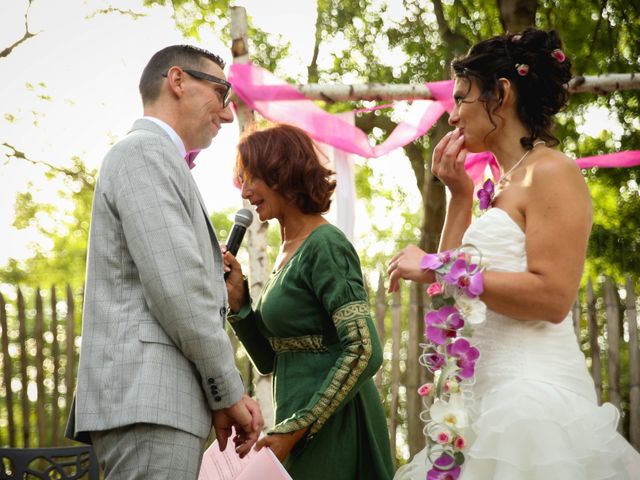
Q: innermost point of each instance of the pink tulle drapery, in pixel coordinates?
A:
(278, 101)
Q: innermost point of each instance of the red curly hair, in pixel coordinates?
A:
(286, 159)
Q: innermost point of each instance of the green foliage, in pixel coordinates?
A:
(602, 37)
(60, 258)
(194, 16)
(396, 224)
(268, 50)
(222, 222)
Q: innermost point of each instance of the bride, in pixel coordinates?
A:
(532, 407)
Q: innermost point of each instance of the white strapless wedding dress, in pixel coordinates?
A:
(534, 414)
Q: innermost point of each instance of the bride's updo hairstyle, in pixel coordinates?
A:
(534, 63)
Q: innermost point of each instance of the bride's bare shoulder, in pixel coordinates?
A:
(556, 178)
(554, 167)
(554, 162)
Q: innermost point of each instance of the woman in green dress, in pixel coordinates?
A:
(311, 326)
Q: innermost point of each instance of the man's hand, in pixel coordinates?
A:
(281, 443)
(247, 419)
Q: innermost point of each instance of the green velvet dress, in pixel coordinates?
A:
(312, 330)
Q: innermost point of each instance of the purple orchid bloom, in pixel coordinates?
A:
(466, 356)
(460, 276)
(434, 360)
(444, 468)
(433, 261)
(435, 474)
(485, 194)
(442, 324)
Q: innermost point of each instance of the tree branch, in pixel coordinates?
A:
(368, 121)
(312, 69)
(83, 176)
(338, 92)
(516, 15)
(443, 26)
(466, 14)
(456, 42)
(592, 50)
(415, 153)
(106, 11)
(27, 35)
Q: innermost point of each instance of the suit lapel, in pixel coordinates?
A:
(212, 232)
(144, 124)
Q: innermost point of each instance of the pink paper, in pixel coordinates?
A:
(227, 465)
(264, 466)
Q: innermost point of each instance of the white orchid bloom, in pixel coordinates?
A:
(473, 310)
(452, 414)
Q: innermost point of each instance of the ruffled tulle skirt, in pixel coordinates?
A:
(532, 430)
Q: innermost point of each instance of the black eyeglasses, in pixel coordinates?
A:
(226, 96)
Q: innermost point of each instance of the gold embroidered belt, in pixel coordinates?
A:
(306, 343)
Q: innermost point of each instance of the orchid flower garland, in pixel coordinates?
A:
(450, 356)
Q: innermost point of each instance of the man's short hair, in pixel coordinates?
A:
(186, 56)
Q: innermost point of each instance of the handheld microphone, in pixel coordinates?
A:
(243, 219)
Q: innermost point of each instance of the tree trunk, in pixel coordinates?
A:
(257, 231)
(516, 15)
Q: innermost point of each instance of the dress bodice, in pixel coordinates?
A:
(512, 348)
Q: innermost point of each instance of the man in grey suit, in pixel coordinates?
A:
(156, 366)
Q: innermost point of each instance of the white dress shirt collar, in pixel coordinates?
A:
(175, 138)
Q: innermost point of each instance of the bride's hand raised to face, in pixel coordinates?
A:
(447, 163)
(406, 265)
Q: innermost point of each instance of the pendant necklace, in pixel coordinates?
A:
(487, 192)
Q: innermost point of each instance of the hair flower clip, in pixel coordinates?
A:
(522, 69)
(558, 55)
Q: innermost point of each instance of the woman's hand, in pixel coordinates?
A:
(281, 443)
(234, 280)
(447, 163)
(406, 265)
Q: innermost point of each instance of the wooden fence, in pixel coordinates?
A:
(38, 367)
(40, 340)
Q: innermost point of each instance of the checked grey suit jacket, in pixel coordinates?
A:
(154, 348)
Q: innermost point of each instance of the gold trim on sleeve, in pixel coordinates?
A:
(351, 322)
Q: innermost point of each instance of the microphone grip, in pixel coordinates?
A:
(235, 238)
(234, 241)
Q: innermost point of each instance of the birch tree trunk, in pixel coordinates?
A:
(257, 231)
(384, 92)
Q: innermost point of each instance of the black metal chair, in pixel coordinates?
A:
(57, 463)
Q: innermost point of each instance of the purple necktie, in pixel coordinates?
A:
(190, 157)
